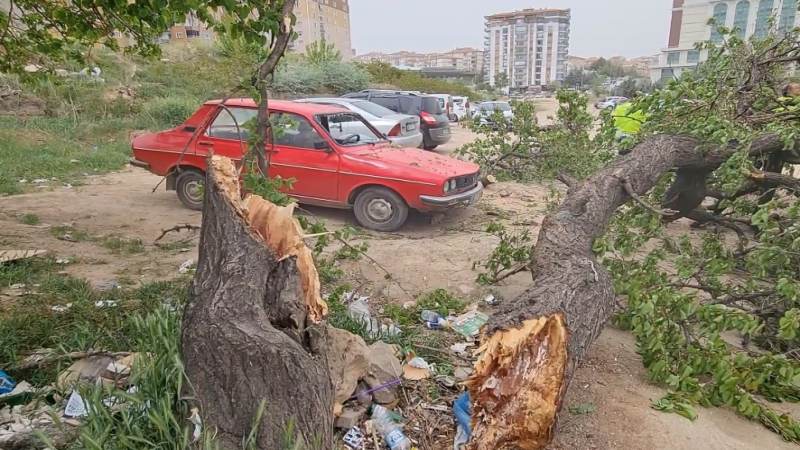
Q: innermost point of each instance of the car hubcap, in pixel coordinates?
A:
(194, 191)
(379, 210)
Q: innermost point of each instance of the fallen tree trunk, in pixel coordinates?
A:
(531, 347)
(251, 332)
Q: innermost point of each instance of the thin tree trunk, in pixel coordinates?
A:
(251, 331)
(532, 346)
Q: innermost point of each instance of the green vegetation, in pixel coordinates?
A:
(123, 246)
(385, 74)
(30, 219)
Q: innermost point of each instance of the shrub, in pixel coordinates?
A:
(169, 111)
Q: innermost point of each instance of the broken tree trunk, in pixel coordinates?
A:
(251, 330)
(531, 347)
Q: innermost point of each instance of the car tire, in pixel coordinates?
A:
(429, 147)
(189, 186)
(380, 209)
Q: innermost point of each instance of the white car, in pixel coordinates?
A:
(610, 102)
(461, 108)
(485, 113)
(401, 129)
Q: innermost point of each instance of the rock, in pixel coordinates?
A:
(383, 396)
(348, 362)
(350, 417)
(383, 362)
(105, 285)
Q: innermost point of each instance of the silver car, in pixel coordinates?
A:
(402, 130)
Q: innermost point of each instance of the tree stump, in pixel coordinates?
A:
(251, 330)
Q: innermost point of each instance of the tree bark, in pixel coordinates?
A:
(251, 331)
(531, 347)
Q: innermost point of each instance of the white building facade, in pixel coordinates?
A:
(530, 46)
(689, 25)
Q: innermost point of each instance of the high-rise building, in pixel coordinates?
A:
(690, 25)
(323, 20)
(529, 46)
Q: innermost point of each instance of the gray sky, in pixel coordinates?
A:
(599, 27)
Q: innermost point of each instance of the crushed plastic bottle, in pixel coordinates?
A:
(433, 320)
(391, 431)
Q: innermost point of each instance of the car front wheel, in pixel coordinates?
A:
(190, 189)
(380, 209)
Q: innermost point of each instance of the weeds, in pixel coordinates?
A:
(30, 219)
(70, 233)
(123, 246)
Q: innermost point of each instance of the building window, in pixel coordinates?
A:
(763, 17)
(740, 19)
(673, 58)
(720, 16)
(667, 74)
(788, 15)
(693, 57)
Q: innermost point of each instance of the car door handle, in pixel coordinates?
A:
(205, 143)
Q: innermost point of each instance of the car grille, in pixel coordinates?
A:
(466, 182)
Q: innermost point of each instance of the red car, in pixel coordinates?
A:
(335, 157)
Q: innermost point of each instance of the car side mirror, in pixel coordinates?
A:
(323, 145)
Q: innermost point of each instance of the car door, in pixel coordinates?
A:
(300, 152)
(227, 134)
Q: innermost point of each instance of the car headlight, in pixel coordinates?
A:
(446, 186)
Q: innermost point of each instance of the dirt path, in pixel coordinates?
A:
(421, 257)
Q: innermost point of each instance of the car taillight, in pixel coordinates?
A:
(427, 118)
(395, 131)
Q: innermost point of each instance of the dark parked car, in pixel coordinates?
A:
(434, 122)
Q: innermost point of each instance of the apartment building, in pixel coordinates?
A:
(689, 25)
(323, 20)
(530, 46)
(466, 59)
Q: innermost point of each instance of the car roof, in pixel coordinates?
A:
(284, 105)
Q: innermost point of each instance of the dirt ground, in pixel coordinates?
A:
(421, 257)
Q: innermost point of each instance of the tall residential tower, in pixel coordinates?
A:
(530, 46)
(689, 25)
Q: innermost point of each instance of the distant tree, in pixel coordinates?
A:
(321, 52)
(501, 80)
(628, 88)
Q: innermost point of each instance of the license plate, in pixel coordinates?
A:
(411, 127)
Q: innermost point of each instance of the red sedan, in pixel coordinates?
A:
(335, 157)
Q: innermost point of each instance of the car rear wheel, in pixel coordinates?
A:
(380, 209)
(190, 189)
(430, 147)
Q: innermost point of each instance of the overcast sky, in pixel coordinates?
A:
(599, 27)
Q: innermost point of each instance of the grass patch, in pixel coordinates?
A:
(123, 246)
(70, 233)
(76, 323)
(29, 151)
(440, 300)
(30, 219)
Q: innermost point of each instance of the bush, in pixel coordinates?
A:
(299, 76)
(169, 111)
(383, 73)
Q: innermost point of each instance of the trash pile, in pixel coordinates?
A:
(55, 410)
(383, 393)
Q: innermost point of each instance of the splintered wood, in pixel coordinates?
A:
(517, 385)
(280, 231)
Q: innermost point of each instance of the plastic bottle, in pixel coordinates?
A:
(392, 432)
(433, 320)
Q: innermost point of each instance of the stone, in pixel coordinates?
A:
(383, 396)
(350, 417)
(347, 357)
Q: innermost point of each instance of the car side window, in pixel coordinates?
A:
(292, 130)
(387, 102)
(231, 123)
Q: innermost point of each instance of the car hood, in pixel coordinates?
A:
(410, 163)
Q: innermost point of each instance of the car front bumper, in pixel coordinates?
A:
(463, 199)
(412, 140)
(137, 163)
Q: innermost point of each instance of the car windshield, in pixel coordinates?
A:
(349, 129)
(431, 105)
(495, 107)
(373, 108)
